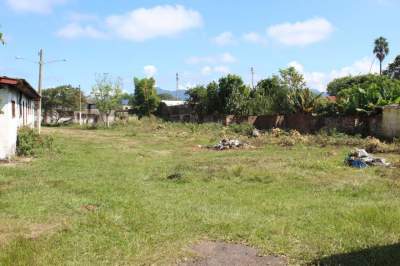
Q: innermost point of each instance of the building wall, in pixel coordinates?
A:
(24, 116)
(390, 126)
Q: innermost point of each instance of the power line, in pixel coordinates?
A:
(41, 64)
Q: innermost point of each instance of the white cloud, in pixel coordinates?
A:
(81, 17)
(254, 37)
(225, 38)
(143, 24)
(301, 33)
(35, 6)
(220, 69)
(207, 70)
(75, 30)
(299, 67)
(319, 80)
(225, 58)
(150, 71)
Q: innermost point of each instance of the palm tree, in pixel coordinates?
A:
(381, 50)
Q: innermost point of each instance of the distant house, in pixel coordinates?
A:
(18, 108)
(176, 111)
(332, 99)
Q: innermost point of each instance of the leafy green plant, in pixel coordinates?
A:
(242, 129)
(30, 143)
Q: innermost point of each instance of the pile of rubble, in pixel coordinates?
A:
(227, 144)
(360, 158)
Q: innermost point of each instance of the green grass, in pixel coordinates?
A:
(301, 202)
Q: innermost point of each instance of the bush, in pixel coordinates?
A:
(242, 129)
(30, 143)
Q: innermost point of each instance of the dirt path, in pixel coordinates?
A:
(225, 254)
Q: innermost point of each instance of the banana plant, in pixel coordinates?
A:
(303, 100)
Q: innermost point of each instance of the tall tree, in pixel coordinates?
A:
(226, 87)
(146, 98)
(198, 100)
(381, 50)
(60, 101)
(275, 96)
(107, 95)
(292, 79)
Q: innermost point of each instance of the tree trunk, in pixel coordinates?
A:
(380, 67)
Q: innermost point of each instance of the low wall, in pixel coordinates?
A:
(386, 125)
(390, 122)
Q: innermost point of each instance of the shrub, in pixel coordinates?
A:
(242, 129)
(30, 143)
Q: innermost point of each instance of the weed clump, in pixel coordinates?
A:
(242, 129)
(30, 143)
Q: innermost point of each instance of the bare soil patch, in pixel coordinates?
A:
(220, 254)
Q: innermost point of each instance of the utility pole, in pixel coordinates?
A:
(252, 77)
(177, 86)
(40, 84)
(80, 106)
(41, 64)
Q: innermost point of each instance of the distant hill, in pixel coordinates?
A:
(181, 93)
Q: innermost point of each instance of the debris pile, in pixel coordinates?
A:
(227, 144)
(255, 133)
(360, 158)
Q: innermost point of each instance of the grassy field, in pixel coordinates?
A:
(102, 197)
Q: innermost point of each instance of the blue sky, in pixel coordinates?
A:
(200, 39)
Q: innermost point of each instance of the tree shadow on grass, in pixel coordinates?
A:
(381, 255)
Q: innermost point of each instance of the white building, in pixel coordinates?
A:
(18, 108)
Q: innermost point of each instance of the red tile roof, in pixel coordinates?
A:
(331, 98)
(21, 85)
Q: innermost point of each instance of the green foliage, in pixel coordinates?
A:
(366, 96)
(213, 104)
(242, 129)
(62, 98)
(303, 100)
(167, 97)
(281, 94)
(381, 50)
(198, 100)
(292, 79)
(239, 102)
(30, 143)
(146, 98)
(335, 86)
(107, 95)
(228, 86)
(271, 97)
(393, 69)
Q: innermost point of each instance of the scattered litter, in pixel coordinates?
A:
(255, 133)
(360, 158)
(227, 144)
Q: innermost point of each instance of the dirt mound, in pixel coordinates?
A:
(221, 253)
